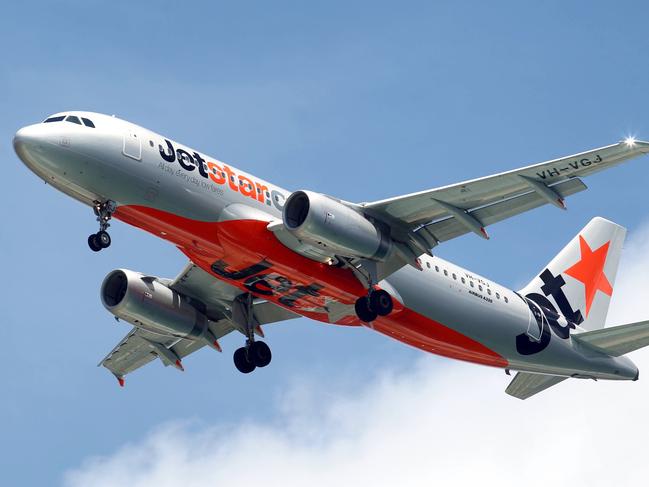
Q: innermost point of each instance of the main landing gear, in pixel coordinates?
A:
(376, 303)
(255, 353)
(101, 239)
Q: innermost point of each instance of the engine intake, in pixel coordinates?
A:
(147, 303)
(325, 222)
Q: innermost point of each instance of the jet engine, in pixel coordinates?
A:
(147, 303)
(328, 223)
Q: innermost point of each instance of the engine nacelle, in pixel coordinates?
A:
(325, 222)
(147, 303)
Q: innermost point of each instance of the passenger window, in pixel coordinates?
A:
(454, 277)
(445, 272)
(472, 285)
(463, 281)
(73, 119)
(436, 268)
(88, 123)
(506, 300)
(54, 119)
(489, 291)
(497, 296)
(428, 264)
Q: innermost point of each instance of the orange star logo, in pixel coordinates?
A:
(590, 271)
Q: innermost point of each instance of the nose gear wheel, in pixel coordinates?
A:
(101, 239)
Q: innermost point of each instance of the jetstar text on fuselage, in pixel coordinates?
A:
(222, 175)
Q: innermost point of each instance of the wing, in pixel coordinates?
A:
(215, 297)
(437, 215)
(525, 385)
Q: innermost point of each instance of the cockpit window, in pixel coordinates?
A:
(72, 119)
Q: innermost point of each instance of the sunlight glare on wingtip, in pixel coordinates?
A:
(630, 141)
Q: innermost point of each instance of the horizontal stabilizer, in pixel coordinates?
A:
(525, 385)
(617, 340)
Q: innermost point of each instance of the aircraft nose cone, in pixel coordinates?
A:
(25, 139)
(30, 144)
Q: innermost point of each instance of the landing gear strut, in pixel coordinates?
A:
(376, 303)
(104, 212)
(255, 353)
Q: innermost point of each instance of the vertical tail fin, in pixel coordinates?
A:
(579, 281)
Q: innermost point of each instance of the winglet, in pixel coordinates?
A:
(120, 380)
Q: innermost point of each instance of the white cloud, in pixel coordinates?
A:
(450, 425)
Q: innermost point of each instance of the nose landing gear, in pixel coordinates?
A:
(101, 239)
(377, 303)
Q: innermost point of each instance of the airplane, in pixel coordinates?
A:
(260, 254)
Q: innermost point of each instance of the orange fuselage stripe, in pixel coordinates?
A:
(243, 243)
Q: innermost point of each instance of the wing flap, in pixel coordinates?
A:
(450, 228)
(135, 350)
(131, 353)
(524, 385)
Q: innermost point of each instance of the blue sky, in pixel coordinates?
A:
(361, 100)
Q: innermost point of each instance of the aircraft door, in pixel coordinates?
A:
(132, 145)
